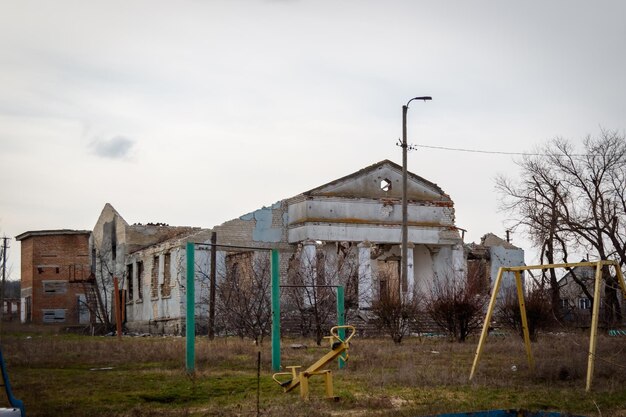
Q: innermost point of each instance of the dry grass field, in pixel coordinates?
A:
(59, 374)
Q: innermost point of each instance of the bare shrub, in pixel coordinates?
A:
(395, 313)
(456, 304)
(538, 311)
(312, 300)
(313, 277)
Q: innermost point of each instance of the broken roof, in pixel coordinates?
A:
(492, 240)
(418, 188)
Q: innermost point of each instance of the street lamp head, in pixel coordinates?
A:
(423, 98)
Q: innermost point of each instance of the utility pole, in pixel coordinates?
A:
(213, 279)
(405, 228)
(5, 246)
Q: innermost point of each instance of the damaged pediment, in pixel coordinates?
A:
(382, 180)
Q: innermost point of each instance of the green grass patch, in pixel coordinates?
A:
(71, 375)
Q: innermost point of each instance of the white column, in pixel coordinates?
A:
(220, 265)
(331, 265)
(366, 293)
(23, 310)
(308, 270)
(410, 273)
(458, 259)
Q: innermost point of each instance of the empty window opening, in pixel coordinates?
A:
(84, 316)
(129, 277)
(93, 261)
(154, 282)
(53, 315)
(166, 288)
(140, 280)
(584, 303)
(54, 287)
(113, 246)
(385, 185)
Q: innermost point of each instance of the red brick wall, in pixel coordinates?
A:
(60, 257)
(27, 262)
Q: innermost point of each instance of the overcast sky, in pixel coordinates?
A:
(196, 112)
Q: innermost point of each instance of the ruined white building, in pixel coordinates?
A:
(146, 260)
(484, 259)
(359, 217)
(346, 232)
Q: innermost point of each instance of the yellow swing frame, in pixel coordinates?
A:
(517, 270)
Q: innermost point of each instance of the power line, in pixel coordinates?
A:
(443, 148)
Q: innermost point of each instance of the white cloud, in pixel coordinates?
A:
(117, 147)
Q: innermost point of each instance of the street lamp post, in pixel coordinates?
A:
(405, 229)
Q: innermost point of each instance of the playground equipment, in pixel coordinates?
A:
(338, 347)
(17, 405)
(517, 270)
(190, 327)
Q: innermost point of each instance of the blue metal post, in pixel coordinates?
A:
(191, 308)
(341, 321)
(275, 312)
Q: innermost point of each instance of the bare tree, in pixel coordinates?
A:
(566, 200)
(105, 271)
(243, 301)
(456, 303)
(314, 275)
(537, 306)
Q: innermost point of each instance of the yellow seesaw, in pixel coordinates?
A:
(337, 347)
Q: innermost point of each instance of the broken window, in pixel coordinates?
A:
(584, 303)
(54, 287)
(113, 246)
(129, 277)
(28, 304)
(83, 309)
(53, 315)
(478, 276)
(139, 280)
(385, 185)
(166, 289)
(154, 282)
(239, 268)
(389, 273)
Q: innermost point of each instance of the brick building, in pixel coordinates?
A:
(55, 275)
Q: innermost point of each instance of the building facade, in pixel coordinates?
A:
(346, 232)
(484, 260)
(55, 273)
